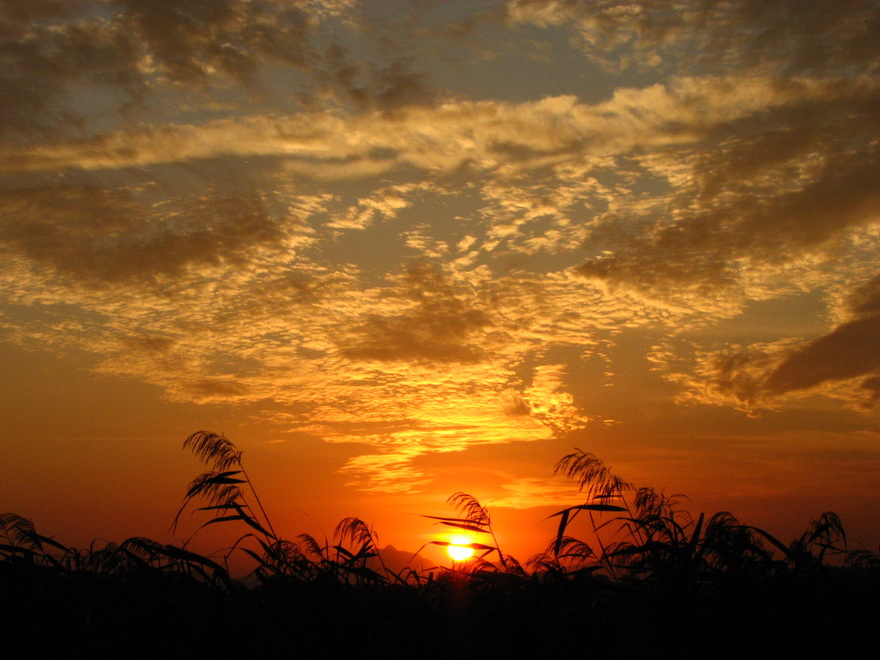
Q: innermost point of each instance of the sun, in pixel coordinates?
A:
(459, 548)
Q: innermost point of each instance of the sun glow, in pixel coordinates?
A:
(459, 548)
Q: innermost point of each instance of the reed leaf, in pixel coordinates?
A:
(472, 546)
(246, 519)
(466, 527)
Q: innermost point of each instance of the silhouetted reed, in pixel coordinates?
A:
(648, 566)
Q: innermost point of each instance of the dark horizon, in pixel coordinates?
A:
(398, 249)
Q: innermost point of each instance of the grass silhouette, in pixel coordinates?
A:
(656, 580)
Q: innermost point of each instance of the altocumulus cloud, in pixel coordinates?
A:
(293, 204)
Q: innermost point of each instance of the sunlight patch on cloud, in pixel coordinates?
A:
(530, 492)
(842, 363)
(548, 401)
(443, 137)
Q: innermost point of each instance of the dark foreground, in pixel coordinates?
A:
(657, 583)
(150, 614)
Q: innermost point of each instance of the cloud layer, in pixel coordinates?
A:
(308, 207)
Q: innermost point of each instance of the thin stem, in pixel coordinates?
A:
(257, 498)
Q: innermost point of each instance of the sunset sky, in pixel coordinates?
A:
(399, 249)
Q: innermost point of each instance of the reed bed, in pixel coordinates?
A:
(652, 579)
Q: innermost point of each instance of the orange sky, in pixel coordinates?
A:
(396, 250)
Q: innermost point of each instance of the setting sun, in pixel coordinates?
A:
(460, 548)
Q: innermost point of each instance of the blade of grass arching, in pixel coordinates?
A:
(411, 576)
(260, 560)
(472, 546)
(461, 521)
(566, 517)
(560, 533)
(257, 498)
(591, 507)
(245, 519)
(194, 558)
(17, 550)
(481, 546)
(488, 551)
(203, 484)
(224, 477)
(695, 536)
(245, 513)
(344, 551)
(131, 556)
(242, 510)
(786, 551)
(175, 552)
(270, 550)
(368, 573)
(365, 553)
(52, 542)
(239, 541)
(466, 527)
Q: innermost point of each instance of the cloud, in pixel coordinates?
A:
(789, 182)
(46, 51)
(220, 199)
(371, 86)
(386, 473)
(787, 36)
(850, 350)
(132, 54)
(103, 236)
(488, 136)
(437, 329)
(150, 343)
(843, 362)
(384, 204)
(188, 42)
(547, 399)
(530, 492)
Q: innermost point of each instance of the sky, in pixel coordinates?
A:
(400, 249)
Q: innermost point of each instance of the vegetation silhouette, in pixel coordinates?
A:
(656, 580)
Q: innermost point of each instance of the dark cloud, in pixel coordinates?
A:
(45, 53)
(150, 343)
(803, 38)
(849, 351)
(25, 12)
(97, 235)
(122, 49)
(190, 40)
(439, 328)
(216, 388)
(371, 86)
(734, 375)
(791, 36)
(871, 385)
(865, 300)
(766, 188)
